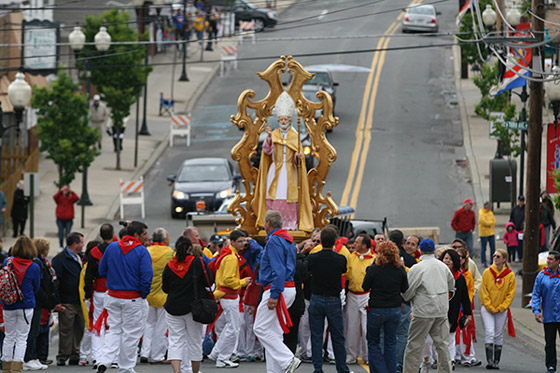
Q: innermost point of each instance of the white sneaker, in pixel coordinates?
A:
(212, 357)
(351, 360)
(30, 365)
(293, 365)
(226, 364)
(38, 363)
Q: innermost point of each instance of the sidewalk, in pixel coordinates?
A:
(480, 150)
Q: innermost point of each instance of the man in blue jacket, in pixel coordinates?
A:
(276, 275)
(546, 306)
(127, 265)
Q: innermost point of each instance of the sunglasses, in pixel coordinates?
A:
(317, 241)
(496, 256)
(457, 246)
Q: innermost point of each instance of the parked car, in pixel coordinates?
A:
(420, 18)
(246, 11)
(201, 184)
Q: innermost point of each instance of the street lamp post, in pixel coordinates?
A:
(184, 77)
(489, 17)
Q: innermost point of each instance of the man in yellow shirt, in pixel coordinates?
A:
(154, 342)
(357, 301)
(228, 285)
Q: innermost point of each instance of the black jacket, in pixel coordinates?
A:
(68, 273)
(92, 270)
(180, 291)
(298, 307)
(546, 217)
(19, 205)
(46, 296)
(460, 298)
(517, 217)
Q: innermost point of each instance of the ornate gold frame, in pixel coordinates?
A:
(246, 148)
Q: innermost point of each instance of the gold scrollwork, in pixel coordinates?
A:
(323, 152)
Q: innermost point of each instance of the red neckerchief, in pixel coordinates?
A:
(20, 267)
(499, 277)
(128, 243)
(338, 246)
(284, 234)
(180, 268)
(223, 253)
(547, 272)
(96, 254)
(343, 240)
(456, 274)
(417, 254)
(368, 255)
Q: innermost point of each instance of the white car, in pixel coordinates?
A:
(420, 18)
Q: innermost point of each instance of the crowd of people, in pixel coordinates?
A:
(396, 304)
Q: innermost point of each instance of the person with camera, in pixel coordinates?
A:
(181, 276)
(127, 265)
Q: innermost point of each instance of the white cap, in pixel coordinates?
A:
(96, 98)
(285, 106)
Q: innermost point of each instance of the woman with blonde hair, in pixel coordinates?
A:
(496, 295)
(17, 316)
(388, 277)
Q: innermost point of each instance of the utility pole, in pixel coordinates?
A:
(531, 233)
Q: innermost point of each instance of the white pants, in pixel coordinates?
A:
(154, 342)
(494, 324)
(461, 351)
(97, 340)
(305, 332)
(85, 345)
(356, 326)
(247, 344)
(269, 332)
(452, 345)
(184, 334)
(16, 331)
(227, 341)
(126, 324)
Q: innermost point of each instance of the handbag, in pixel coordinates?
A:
(203, 310)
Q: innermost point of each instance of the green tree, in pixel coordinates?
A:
(63, 127)
(119, 74)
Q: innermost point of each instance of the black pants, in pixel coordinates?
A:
(31, 350)
(291, 339)
(550, 330)
(19, 226)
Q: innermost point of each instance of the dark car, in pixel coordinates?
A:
(246, 11)
(201, 184)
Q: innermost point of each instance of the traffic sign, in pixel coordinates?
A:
(516, 124)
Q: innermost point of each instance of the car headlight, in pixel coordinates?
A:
(224, 193)
(306, 150)
(180, 195)
(271, 14)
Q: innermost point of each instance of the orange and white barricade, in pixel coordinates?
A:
(180, 125)
(132, 193)
(229, 56)
(247, 29)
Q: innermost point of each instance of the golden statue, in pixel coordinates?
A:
(282, 180)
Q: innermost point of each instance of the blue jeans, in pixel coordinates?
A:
(331, 308)
(467, 237)
(483, 241)
(402, 333)
(64, 228)
(388, 320)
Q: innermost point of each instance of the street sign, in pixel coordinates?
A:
(516, 124)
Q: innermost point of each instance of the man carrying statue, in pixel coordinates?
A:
(282, 183)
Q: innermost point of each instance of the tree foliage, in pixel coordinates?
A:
(119, 74)
(472, 52)
(63, 127)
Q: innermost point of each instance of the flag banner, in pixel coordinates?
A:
(463, 11)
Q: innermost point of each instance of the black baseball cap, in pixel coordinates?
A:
(215, 238)
(521, 197)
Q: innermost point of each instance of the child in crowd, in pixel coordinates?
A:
(510, 239)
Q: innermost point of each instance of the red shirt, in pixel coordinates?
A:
(65, 205)
(463, 221)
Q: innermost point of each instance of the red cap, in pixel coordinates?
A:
(468, 200)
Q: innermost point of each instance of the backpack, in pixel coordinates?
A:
(10, 291)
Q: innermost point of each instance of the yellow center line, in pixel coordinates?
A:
(363, 130)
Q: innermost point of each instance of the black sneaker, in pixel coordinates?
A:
(143, 360)
(101, 368)
(61, 362)
(73, 362)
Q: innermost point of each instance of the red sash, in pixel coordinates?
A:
(282, 310)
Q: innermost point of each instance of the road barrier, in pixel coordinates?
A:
(247, 29)
(229, 57)
(132, 193)
(180, 125)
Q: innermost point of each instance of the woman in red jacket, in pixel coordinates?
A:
(65, 199)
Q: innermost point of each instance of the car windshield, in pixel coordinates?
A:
(422, 10)
(197, 173)
(320, 78)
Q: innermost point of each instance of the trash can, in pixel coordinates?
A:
(501, 180)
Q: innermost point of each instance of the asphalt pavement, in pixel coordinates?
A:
(452, 140)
